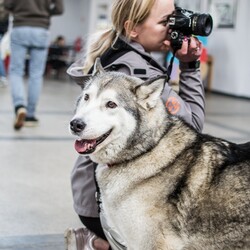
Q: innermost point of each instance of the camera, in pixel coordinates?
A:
(186, 23)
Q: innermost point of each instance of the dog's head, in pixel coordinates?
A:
(113, 110)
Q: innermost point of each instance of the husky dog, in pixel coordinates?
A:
(163, 185)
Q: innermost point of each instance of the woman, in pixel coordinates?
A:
(139, 27)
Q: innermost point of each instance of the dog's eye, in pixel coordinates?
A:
(86, 97)
(111, 105)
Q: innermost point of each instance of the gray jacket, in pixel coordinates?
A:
(35, 13)
(188, 104)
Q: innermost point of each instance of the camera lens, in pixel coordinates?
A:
(202, 25)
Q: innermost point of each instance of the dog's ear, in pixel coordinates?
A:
(149, 92)
(98, 69)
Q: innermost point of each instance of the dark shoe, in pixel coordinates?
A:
(31, 122)
(20, 117)
(80, 239)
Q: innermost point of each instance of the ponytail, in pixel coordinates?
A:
(98, 44)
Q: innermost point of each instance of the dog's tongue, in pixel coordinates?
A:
(84, 145)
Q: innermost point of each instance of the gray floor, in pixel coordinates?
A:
(35, 164)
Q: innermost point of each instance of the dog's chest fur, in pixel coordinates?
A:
(134, 205)
(134, 194)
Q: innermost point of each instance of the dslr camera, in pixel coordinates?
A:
(186, 23)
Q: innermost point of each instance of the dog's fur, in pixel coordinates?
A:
(166, 186)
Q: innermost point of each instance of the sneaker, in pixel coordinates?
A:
(30, 122)
(20, 117)
(79, 239)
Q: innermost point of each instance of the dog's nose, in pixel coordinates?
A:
(77, 125)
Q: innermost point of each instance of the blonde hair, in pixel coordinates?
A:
(134, 11)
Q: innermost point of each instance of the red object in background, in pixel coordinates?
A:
(78, 44)
(7, 63)
(203, 57)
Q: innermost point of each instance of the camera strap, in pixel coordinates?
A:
(170, 66)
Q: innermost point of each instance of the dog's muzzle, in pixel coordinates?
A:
(77, 126)
(85, 146)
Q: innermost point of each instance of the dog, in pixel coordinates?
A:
(163, 185)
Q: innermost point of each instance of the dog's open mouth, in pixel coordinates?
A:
(89, 146)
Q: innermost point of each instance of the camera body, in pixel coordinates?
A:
(186, 23)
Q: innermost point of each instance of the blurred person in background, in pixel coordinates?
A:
(29, 36)
(58, 56)
(4, 24)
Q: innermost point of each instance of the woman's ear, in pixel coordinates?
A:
(130, 33)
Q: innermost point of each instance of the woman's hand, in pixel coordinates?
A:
(190, 51)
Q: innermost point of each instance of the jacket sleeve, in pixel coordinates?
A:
(192, 92)
(189, 102)
(57, 7)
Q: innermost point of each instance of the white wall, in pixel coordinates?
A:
(229, 48)
(74, 22)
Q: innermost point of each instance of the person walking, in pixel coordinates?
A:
(138, 28)
(29, 36)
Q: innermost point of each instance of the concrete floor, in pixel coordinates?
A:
(35, 164)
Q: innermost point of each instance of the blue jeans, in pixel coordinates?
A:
(32, 41)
